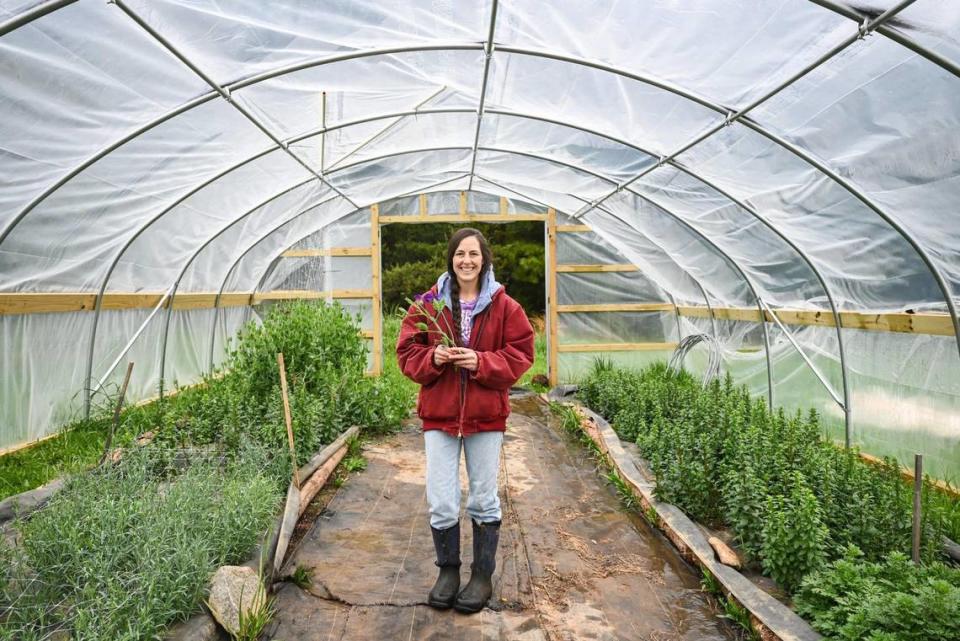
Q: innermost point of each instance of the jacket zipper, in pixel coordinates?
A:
(474, 335)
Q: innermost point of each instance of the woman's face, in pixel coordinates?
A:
(467, 260)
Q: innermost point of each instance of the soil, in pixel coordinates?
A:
(572, 564)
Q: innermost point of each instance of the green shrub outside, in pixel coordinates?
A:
(414, 256)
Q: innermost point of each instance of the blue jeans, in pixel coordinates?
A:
(482, 452)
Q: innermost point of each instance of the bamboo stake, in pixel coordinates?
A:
(116, 413)
(287, 418)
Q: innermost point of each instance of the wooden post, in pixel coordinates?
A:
(917, 498)
(116, 413)
(288, 419)
(553, 372)
(423, 206)
(376, 301)
(463, 204)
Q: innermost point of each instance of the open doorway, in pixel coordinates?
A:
(414, 255)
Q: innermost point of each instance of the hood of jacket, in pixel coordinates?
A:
(488, 289)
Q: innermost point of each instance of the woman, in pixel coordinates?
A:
(464, 402)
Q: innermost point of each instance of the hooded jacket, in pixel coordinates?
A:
(501, 335)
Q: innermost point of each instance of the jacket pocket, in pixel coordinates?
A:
(484, 404)
(438, 401)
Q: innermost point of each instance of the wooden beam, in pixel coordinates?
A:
(463, 203)
(377, 349)
(579, 269)
(573, 229)
(504, 206)
(45, 303)
(306, 294)
(235, 299)
(905, 472)
(57, 302)
(928, 323)
(616, 307)
(457, 218)
(618, 347)
(721, 313)
(79, 302)
(331, 251)
(553, 373)
(896, 322)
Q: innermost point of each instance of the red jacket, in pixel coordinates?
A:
(503, 339)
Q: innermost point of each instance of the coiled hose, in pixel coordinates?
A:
(714, 357)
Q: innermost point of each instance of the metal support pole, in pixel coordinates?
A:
(98, 302)
(713, 316)
(732, 117)
(391, 126)
(224, 93)
(893, 33)
(765, 309)
(323, 136)
(123, 352)
(488, 56)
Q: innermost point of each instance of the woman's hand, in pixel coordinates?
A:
(465, 358)
(442, 355)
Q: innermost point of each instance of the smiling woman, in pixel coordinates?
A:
(463, 403)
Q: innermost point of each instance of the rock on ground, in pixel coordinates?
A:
(234, 589)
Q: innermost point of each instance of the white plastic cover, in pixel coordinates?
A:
(133, 164)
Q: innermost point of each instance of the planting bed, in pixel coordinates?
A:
(126, 549)
(833, 530)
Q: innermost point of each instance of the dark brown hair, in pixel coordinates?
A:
(487, 257)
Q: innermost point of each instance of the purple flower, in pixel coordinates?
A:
(428, 298)
(418, 299)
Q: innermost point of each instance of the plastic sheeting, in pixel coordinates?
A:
(122, 167)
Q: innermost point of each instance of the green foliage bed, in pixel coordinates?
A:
(796, 503)
(126, 549)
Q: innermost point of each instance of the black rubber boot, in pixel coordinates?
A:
(447, 544)
(474, 597)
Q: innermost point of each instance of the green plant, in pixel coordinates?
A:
(786, 493)
(254, 620)
(125, 550)
(652, 517)
(793, 535)
(709, 583)
(354, 463)
(624, 492)
(739, 615)
(891, 599)
(302, 577)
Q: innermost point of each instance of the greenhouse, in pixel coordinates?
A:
(750, 344)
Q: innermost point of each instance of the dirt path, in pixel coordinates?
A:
(572, 565)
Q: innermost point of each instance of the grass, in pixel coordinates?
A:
(254, 620)
(74, 450)
(539, 368)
